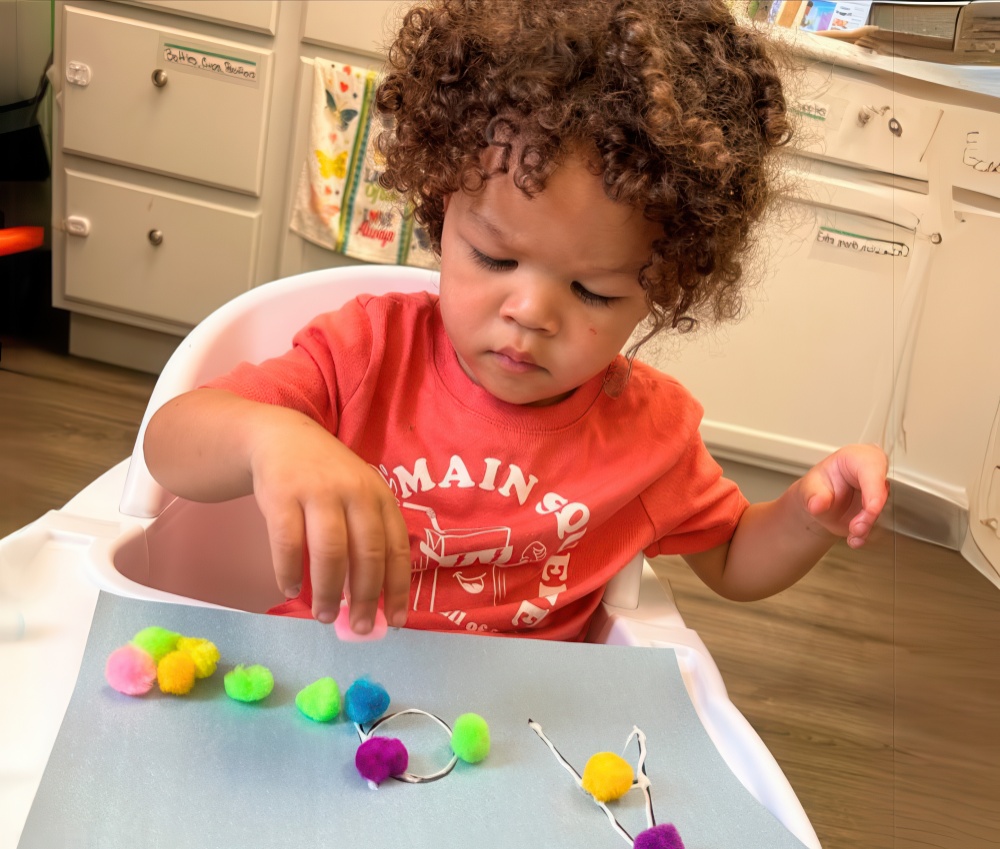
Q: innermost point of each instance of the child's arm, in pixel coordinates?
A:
(313, 491)
(777, 542)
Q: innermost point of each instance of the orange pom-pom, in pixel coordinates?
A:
(175, 673)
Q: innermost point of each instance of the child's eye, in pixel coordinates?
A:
(491, 264)
(589, 297)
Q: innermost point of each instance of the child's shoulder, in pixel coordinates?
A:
(398, 302)
(371, 313)
(653, 394)
(648, 379)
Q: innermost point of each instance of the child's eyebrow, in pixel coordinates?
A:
(485, 223)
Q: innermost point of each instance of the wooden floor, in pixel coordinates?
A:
(875, 681)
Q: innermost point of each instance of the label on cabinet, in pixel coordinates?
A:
(189, 56)
(844, 240)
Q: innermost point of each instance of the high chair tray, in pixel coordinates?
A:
(206, 771)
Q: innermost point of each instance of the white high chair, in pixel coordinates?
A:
(125, 534)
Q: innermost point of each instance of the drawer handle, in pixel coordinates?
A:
(159, 78)
(156, 237)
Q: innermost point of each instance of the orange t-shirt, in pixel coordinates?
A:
(518, 516)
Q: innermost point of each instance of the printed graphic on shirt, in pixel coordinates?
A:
(461, 572)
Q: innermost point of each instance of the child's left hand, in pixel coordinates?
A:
(845, 493)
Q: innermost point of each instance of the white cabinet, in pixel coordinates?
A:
(165, 100)
(876, 316)
(862, 123)
(183, 118)
(152, 253)
(845, 263)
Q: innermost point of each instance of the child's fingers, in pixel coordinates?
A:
(816, 494)
(367, 565)
(873, 485)
(285, 532)
(397, 566)
(326, 536)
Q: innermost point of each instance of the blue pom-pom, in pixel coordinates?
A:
(663, 836)
(365, 701)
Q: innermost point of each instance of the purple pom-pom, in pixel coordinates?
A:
(380, 757)
(663, 836)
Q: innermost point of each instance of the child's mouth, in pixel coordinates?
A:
(515, 361)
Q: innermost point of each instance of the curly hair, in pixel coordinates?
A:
(682, 105)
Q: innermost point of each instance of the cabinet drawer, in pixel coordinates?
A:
(361, 26)
(205, 257)
(259, 15)
(861, 123)
(165, 100)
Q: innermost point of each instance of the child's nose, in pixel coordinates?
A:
(533, 303)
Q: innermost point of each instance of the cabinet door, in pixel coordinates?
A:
(811, 367)
(165, 100)
(152, 253)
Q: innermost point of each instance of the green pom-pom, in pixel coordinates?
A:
(470, 739)
(320, 701)
(249, 683)
(156, 642)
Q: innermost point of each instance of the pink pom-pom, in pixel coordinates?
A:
(130, 670)
(662, 836)
(380, 757)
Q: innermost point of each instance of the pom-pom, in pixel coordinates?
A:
(175, 673)
(248, 683)
(130, 670)
(365, 701)
(320, 701)
(607, 776)
(203, 652)
(380, 757)
(156, 641)
(662, 836)
(470, 739)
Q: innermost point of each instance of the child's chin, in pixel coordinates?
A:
(530, 399)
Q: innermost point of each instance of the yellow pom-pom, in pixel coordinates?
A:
(607, 776)
(203, 652)
(175, 673)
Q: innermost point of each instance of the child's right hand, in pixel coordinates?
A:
(314, 492)
(318, 495)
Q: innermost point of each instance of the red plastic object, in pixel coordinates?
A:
(13, 240)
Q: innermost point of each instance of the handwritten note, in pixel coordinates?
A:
(188, 57)
(977, 157)
(842, 240)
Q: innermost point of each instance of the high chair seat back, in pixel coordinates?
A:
(252, 327)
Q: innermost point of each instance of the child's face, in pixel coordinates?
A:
(539, 294)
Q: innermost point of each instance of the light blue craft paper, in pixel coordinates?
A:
(204, 772)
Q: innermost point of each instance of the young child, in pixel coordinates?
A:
(485, 459)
